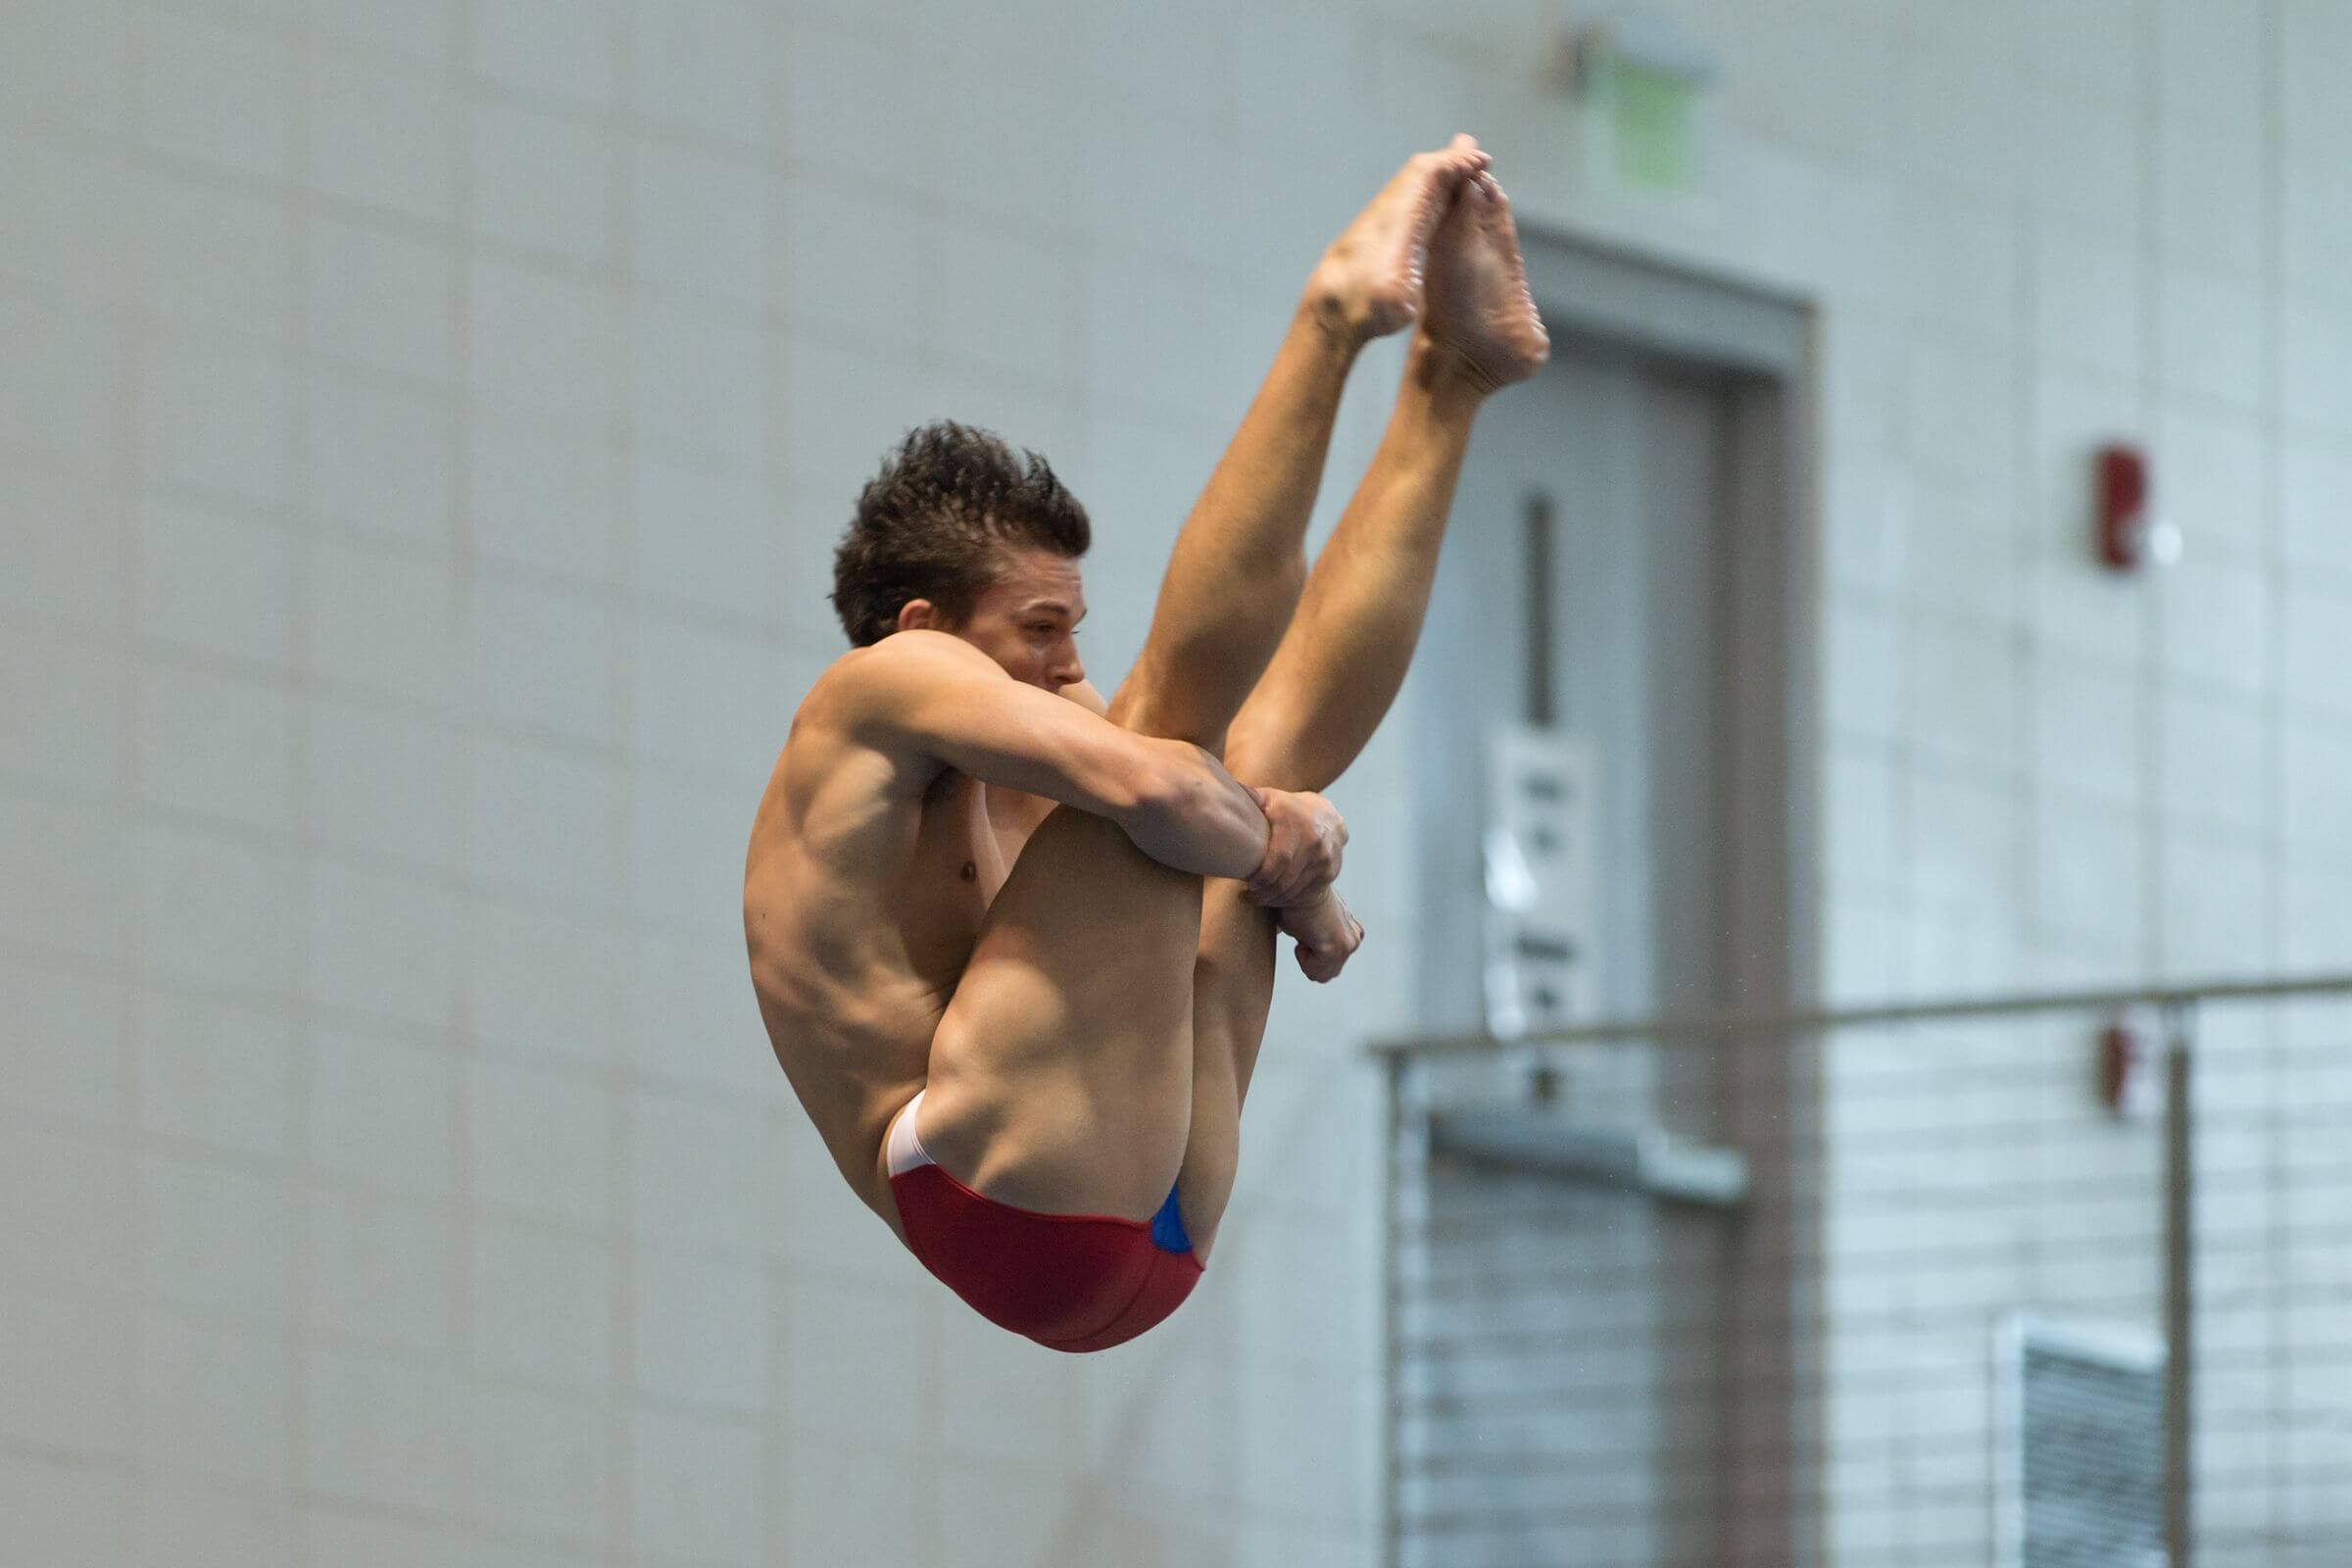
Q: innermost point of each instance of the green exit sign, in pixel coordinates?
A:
(1654, 129)
(1643, 79)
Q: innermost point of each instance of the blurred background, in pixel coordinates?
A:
(424, 428)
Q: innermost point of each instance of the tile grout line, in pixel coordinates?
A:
(119, 303)
(624, 1430)
(2279, 1364)
(304, 1242)
(463, 1212)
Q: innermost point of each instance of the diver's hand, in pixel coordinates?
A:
(1326, 933)
(1304, 836)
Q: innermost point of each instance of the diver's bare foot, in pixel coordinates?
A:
(1479, 309)
(1369, 282)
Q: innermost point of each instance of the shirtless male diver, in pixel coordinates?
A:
(1013, 944)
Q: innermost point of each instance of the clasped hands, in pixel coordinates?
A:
(1304, 837)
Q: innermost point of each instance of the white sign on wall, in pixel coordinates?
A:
(1540, 846)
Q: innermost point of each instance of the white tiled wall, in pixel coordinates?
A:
(422, 428)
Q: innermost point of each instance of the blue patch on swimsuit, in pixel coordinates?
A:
(1167, 1227)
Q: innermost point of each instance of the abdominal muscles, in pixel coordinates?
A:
(853, 964)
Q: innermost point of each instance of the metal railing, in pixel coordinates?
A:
(1751, 1292)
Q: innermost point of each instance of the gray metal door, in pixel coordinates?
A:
(1631, 456)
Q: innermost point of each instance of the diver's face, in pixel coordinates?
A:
(1027, 620)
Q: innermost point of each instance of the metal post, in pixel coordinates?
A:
(2179, 1280)
(1391, 1527)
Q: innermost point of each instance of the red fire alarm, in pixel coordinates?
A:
(2129, 533)
(2127, 1085)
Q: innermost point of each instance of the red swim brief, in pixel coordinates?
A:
(1070, 1282)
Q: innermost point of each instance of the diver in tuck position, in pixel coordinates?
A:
(1014, 945)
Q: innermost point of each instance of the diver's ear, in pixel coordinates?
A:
(915, 614)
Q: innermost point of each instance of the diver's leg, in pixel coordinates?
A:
(1338, 666)
(1329, 682)
(1061, 1071)
(1238, 564)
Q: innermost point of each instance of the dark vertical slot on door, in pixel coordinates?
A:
(1537, 575)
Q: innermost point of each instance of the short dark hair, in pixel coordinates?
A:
(932, 524)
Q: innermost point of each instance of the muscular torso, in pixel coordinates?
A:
(864, 887)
